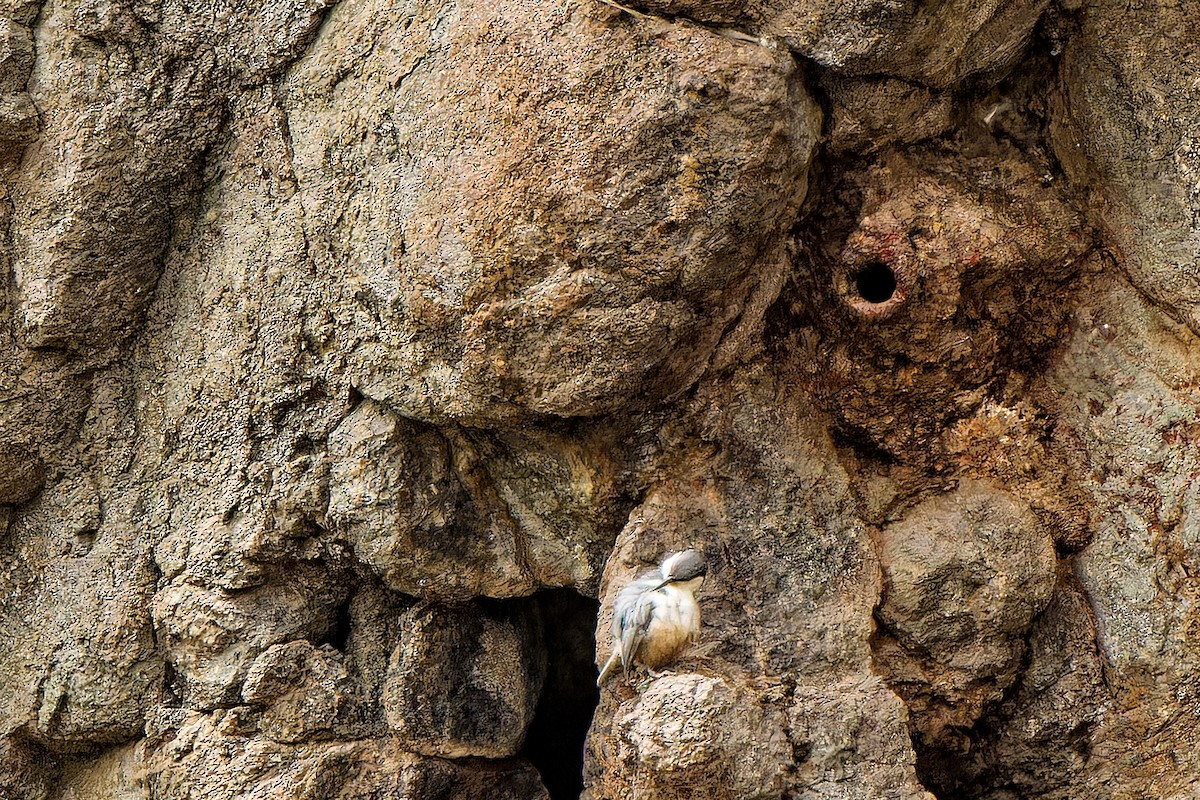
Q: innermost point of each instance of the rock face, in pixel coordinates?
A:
(355, 355)
(568, 226)
(955, 613)
(464, 682)
(793, 578)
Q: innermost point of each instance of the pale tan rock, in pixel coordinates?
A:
(211, 757)
(965, 573)
(513, 209)
(22, 474)
(703, 733)
(1128, 127)
(787, 603)
(855, 740)
(18, 116)
(450, 515)
(133, 95)
(86, 681)
(425, 527)
(1131, 370)
(211, 637)
(464, 681)
(307, 693)
(375, 618)
(314, 313)
(939, 44)
(115, 774)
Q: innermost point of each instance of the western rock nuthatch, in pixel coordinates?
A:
(656, 616)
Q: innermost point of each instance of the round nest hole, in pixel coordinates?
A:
(875, 283)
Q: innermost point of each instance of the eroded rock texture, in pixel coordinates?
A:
(354, 355)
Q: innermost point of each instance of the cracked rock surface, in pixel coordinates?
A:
(353, 357)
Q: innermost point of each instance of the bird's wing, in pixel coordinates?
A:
(635, 620)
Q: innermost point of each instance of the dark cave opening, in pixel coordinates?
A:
(338, 634)
(875, 283)
(555, 740)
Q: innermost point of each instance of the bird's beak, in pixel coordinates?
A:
(664, 583)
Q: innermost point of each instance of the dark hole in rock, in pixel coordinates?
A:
(554, 743)
(172, 688)
(338, 635)
(952, 773)
(30, 770)
(875, 283)
(863, 445)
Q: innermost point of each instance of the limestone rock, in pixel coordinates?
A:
(965, 574)
(425, 527)
(1132, 374)
(349, 352)
(308, 692)
(938, 45)
(211, 637)
(455, 514)
(87, 680)
(115, 774)
(134, 94)
(246, 551)
(18, 116)
(464, 681)
(375, 618)
(22, 474)
(1129, 127)
(558, 214)
(784, 605)
(98, 694)
(870, 114)
(215, 758)
(854, 740)
(1041, 733)
(695, 731)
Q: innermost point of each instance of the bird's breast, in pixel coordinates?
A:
(675, 622)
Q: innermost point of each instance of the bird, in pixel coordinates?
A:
(657, 615)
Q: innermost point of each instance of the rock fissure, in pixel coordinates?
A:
(729, 33)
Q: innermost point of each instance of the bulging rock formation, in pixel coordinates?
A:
(353, 356)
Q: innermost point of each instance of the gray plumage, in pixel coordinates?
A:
(684, 566)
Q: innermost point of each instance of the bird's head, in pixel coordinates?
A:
(688, 567)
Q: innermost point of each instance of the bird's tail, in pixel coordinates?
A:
(608, 667)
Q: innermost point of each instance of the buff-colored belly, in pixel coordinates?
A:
(672, 627)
